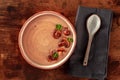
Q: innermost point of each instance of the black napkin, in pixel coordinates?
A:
(98, 58)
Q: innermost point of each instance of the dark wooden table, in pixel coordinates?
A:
(13, 14)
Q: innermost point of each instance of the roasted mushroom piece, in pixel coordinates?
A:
(58, 31)
(57, 34)
(64, 42)
(53, 55)
(66, 31)
(60, 50)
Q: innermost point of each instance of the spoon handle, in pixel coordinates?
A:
(85, 62)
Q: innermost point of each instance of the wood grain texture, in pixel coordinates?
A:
(13, 14)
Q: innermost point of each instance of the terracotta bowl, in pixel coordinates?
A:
(28, 40)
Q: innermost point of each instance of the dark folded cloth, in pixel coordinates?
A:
(98, 58)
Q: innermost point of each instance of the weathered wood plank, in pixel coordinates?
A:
(13, 14)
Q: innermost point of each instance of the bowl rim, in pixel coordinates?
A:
(20, 38)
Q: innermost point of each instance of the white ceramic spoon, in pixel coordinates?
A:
(93, 25)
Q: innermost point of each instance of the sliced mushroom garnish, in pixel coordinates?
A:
(60, 44)
(53, 55)
(64, 42)
(66, 31)
(57, 34)
(60, 50)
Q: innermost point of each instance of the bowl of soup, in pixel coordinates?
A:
(47, 40)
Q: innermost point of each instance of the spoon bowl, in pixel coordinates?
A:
(93, 24)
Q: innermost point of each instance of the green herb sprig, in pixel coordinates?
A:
(70, 39)
(55, 55)
(58, 26)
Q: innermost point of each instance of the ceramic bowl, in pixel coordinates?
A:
(23, 32)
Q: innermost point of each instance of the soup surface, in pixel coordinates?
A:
(44, 39)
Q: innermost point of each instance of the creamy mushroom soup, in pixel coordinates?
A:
(47, 40)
